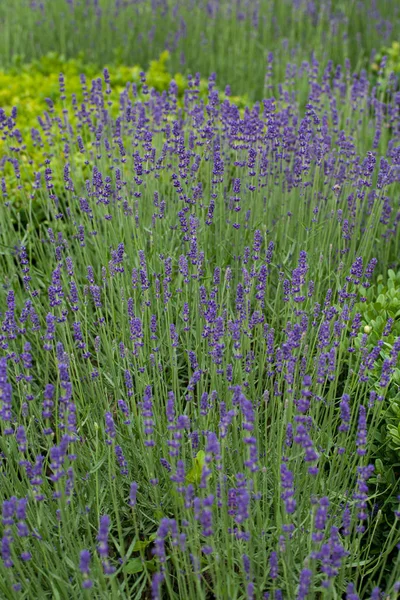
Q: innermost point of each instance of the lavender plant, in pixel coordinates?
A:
(234, 38)
(187, 410)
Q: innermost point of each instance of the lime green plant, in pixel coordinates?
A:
(384, 69)
(31, 87)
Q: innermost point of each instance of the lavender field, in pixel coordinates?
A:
(200, 300)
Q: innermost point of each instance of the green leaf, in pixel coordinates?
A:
(135, 565)
(97, 466)
(194, 475)
(151, 565)
(140, 545)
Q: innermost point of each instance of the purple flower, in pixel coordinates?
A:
(369, 271)
(351, 592)
(48, 403)
(125, 411)
(128, 383)
(356, 270)
(362, 432)
(9, 508)
(345, 413)
(258, 239)
(20, 436)
(5, 550)
(132, 494)
(298, 277)
(346, 521)
(289, 435)
(69, 486)
(147, 413)
(355, 325)
(157, 580)
(36, 478)
(164, 463)
(166, 526)
(250, 591)
(213, 446)
(121, 460)
(20, 509)
(331, 555)
(110, 428)
(303, 439)
(173, 335)
(388, 327)
(361, 493)
(241, 498)
(273, 565)
(320, 519)
(170, 410)
(288, 489)
(203, 514)
(102, 547)
(57, 456)
(303, 404)
(246, 564)
(304, 584)
(84, 562)
(225, 420)
(269, 253)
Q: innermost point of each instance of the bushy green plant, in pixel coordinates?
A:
(380, 326)
(392, 60)
(386, 66)
(381, 302)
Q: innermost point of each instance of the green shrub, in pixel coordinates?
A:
(391, 65)
(383, 304)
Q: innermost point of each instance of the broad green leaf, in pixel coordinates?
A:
(135, 565)
(141, 545)
(151, 565)
(194, 475)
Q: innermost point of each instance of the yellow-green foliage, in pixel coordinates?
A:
(158, 76)
(28, 86)
(392, 62)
